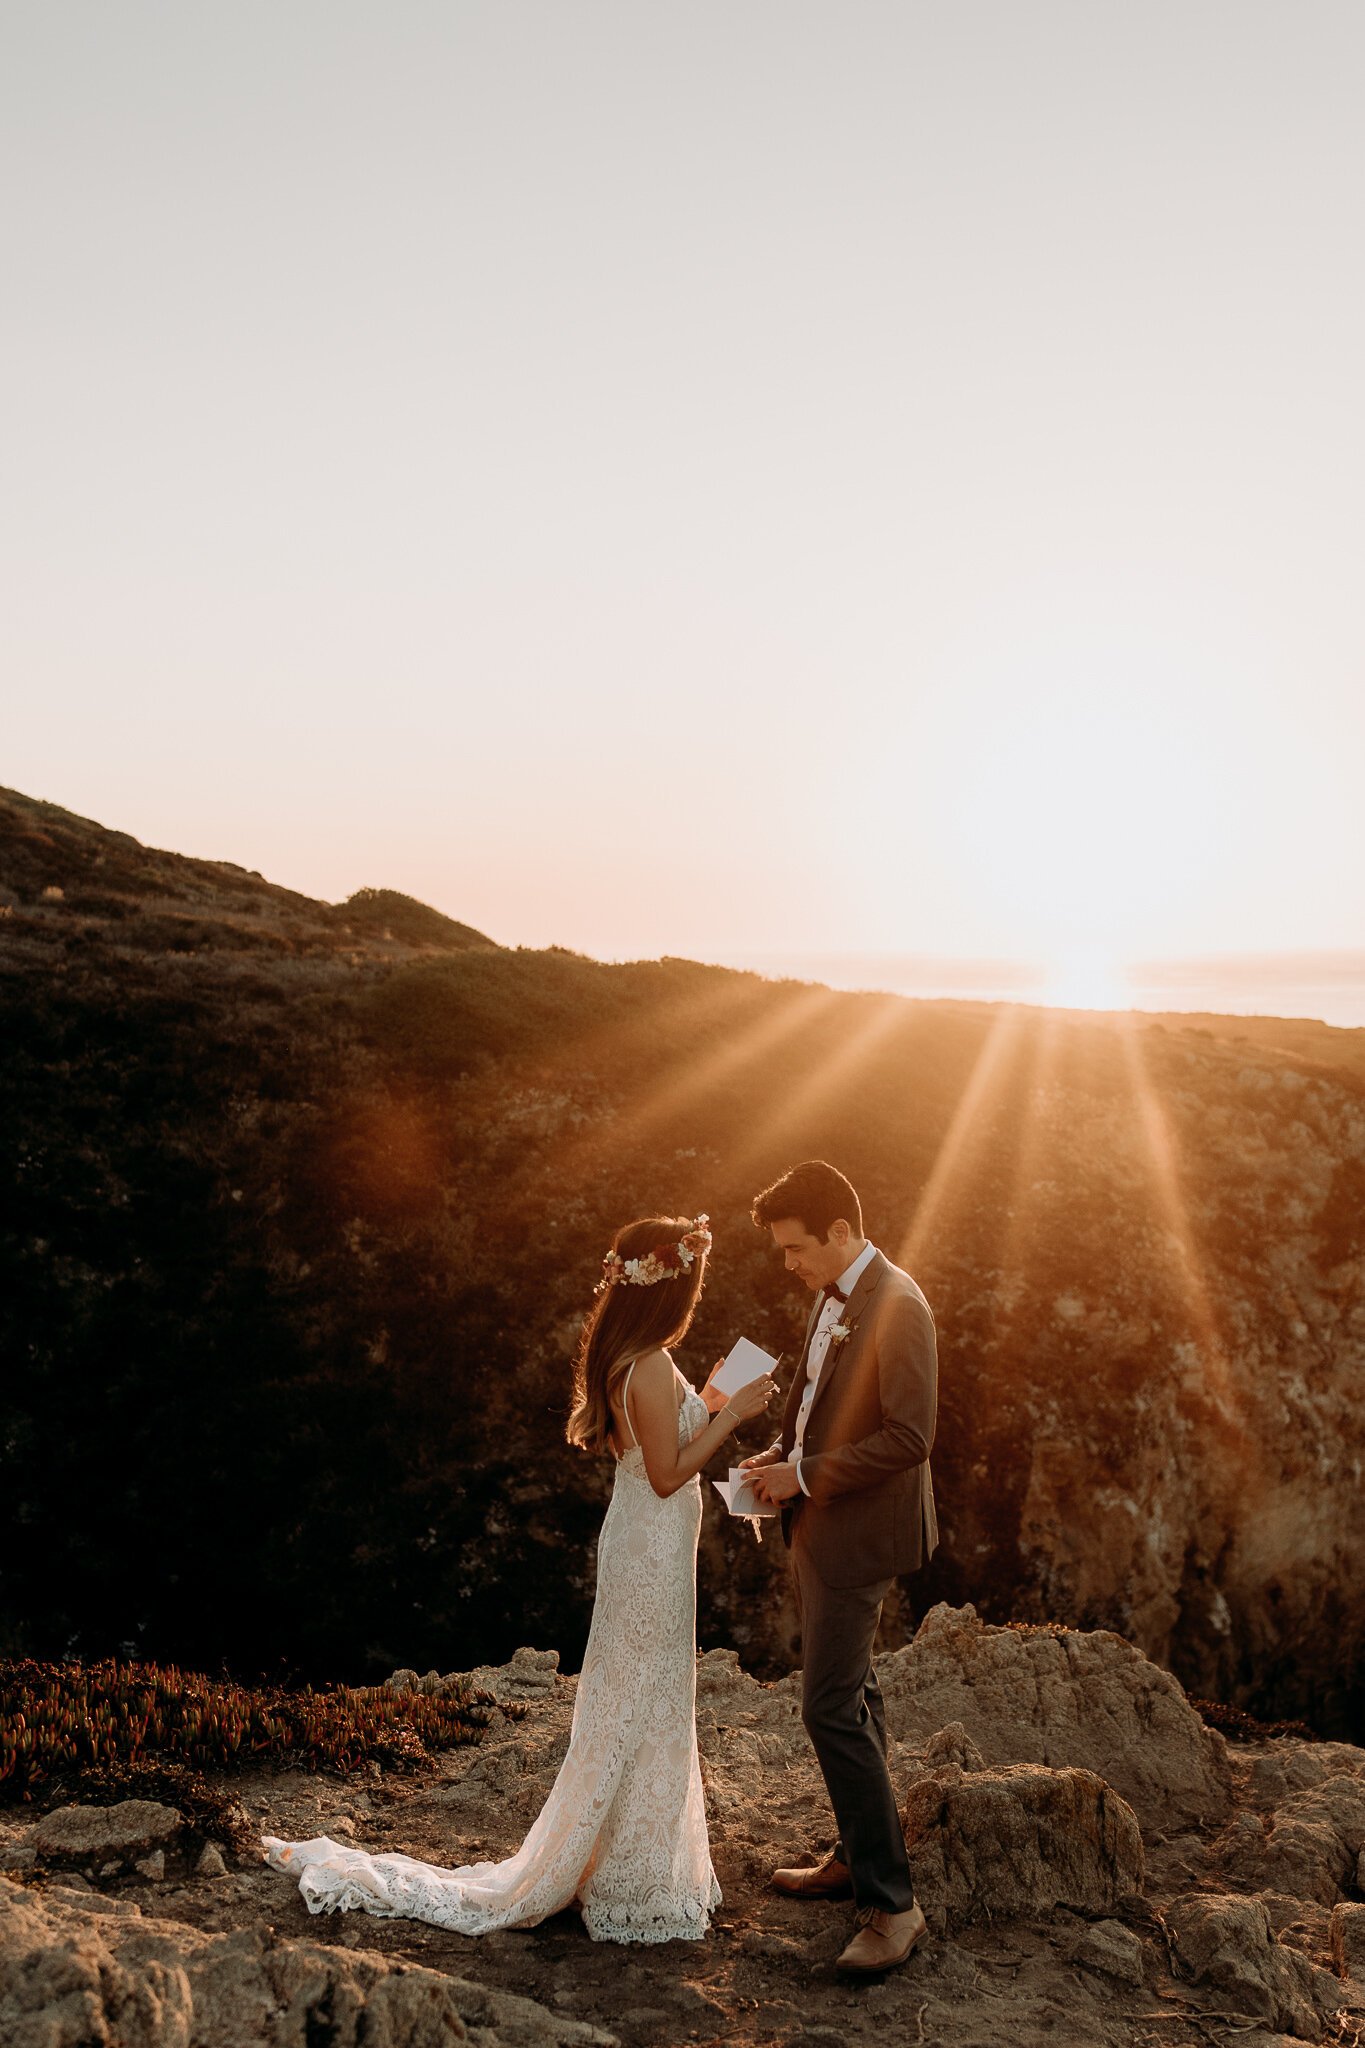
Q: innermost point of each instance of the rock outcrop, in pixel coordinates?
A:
(1228, 1942)
(1111, 1950)
(97, 1972)
(1309, 1847)
(968, 1692)
(1062, 1697)
(989, 1845)
(528, 1675)
(1346, 1935)
(132, 1829)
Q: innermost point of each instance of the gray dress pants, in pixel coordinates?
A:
(843, 1713)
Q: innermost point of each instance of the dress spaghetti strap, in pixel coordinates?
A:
(625, 1409)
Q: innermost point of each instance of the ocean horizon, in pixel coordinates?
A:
(1325, 987)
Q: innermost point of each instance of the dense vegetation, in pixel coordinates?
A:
(62, 1724)
(306, 1201)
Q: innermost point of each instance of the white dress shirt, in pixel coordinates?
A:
(830, 1312)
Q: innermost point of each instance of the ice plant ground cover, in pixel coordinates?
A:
(62, 1724)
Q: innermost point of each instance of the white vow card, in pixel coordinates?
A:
(738, 1493)
(745, 1362)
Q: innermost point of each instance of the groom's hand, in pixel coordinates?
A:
(774, 1483)
(768, 1457)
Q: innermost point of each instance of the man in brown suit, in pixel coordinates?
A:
(850, 1472)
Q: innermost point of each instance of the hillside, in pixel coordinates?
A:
(307, 1201)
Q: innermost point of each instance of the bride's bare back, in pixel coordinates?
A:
(623, 1400)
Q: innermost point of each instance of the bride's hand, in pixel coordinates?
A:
(712, 1396)
(752, 1399)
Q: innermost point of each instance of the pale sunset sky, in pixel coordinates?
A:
(726, 479)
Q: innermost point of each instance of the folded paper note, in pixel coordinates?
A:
(745, 1363)
(738, 1493)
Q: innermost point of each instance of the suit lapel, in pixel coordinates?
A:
(868, 1279)
(867, 1283)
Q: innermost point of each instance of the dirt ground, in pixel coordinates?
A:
(765, 1975)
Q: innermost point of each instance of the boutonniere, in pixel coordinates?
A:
(840, 1333)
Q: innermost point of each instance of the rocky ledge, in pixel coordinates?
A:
(1098, 1867)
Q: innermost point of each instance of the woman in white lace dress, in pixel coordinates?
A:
(623, 1831)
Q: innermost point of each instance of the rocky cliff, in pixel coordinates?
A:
(1097, 1867)
(305, 1202)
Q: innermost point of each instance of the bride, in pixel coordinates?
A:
(624, 1828)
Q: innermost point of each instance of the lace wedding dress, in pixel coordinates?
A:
(624, 1828)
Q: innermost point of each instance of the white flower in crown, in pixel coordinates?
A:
(840, 1333)
(665, 1262)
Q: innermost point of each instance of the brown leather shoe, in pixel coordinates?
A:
(883, 1939)
(828, 1880)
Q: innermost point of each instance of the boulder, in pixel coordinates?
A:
(1015, 1843)
(1346, 1935)
(1299, 1923)
(1112, 1949)
(211, 1862)
(132, 1828)
(98, 1903)
(1309, 1849)
(1061, 1697)
(117, 1979)
(953, 1745)
(529, 1675)
(1285, 1766)
(1302, 1857)
(1226, 1942)
(431, 1682)
(728, 1697)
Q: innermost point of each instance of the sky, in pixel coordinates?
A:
(717, 479)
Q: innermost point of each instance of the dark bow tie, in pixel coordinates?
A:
(829, 1292)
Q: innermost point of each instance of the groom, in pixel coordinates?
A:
(850, 1472)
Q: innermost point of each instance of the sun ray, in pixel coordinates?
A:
(1045, 1040)
(963, 1130)
(717, 1003)
(826, 1076)
(1164, 1169)
(764, 1036)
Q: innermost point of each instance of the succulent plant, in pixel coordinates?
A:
(58, 1721)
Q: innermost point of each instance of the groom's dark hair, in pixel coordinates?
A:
(816, 1194)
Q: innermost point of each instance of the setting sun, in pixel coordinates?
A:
(1085, 981)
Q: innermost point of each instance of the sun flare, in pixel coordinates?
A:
(1086, 981)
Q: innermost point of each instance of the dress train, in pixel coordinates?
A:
(623, 1830)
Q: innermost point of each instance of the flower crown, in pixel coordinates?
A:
(665, 1262)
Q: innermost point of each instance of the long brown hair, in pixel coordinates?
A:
(625, 1321)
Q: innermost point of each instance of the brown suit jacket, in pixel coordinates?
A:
(870, 1514)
